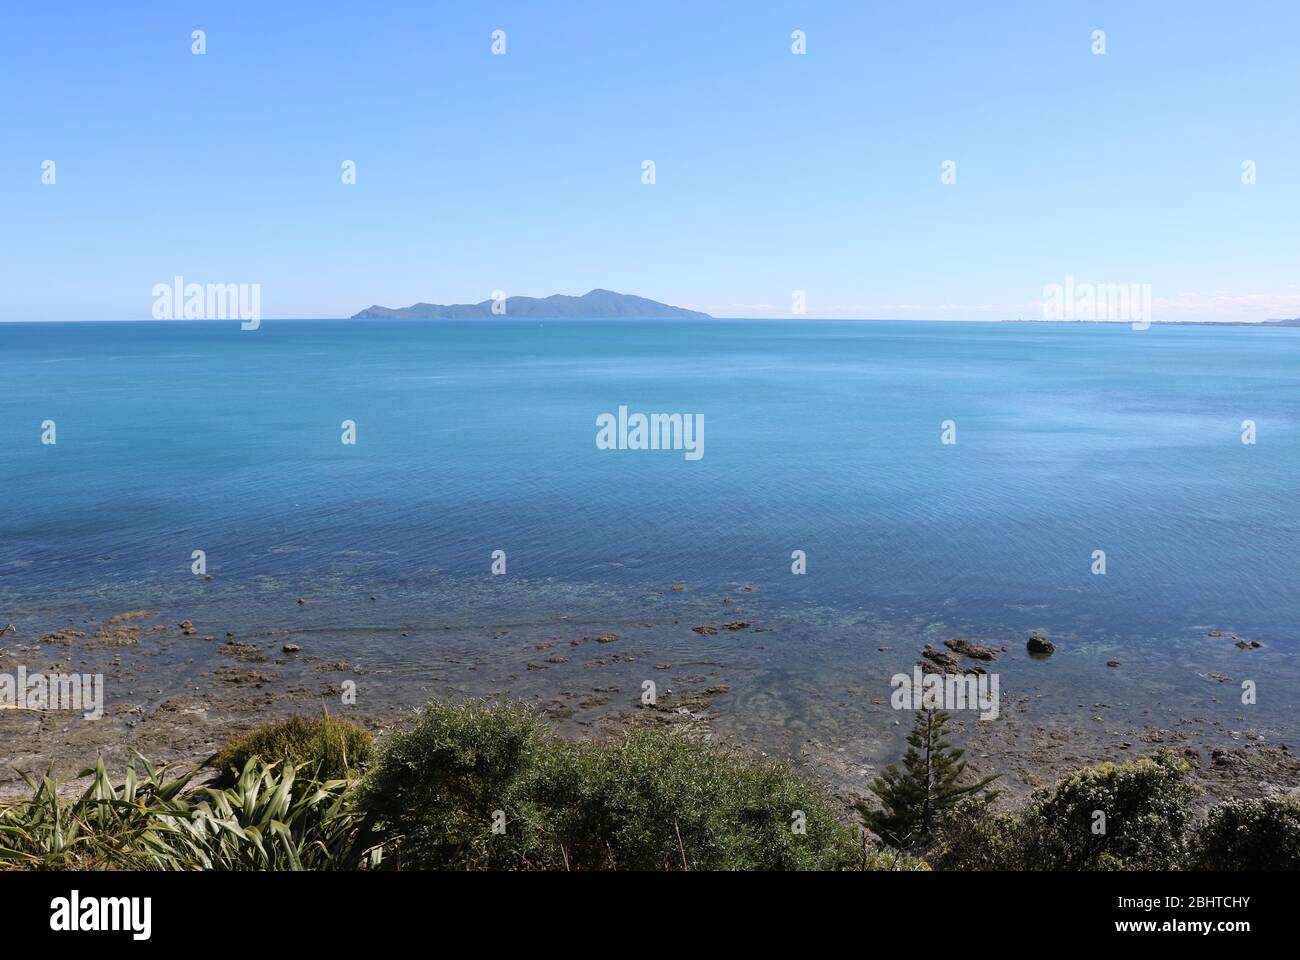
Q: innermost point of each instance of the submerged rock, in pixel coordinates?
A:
(133, 615)
(940, 661)
(969, 648)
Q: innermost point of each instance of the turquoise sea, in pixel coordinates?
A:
(820, 436)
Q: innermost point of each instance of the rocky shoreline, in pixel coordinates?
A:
(178, 689)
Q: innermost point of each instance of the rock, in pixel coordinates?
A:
(705, 631)
(678, 587)
(736, 625)
(64, 637)
(1215, 633)
(247, 652)
(969, 648)
(133, 615)
(604, 638)
(119, 636)
(291, 648)
(1040, 645)
(940, 661)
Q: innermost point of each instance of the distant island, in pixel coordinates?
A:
(597, 304)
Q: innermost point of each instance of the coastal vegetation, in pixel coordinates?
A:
(477, 786)
(331, 749)
(916, 800)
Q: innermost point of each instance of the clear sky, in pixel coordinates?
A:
(775, 172)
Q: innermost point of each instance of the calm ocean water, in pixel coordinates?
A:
(820, 436)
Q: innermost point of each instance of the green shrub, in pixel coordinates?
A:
(326, 748)
(1249, 835)
(648, 801)
(1146, 809)
(973, 838)
(653, 801)
(1146, 816)
(435, 785)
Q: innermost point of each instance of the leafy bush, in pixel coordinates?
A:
(1146, 816)
(435, 785)
(1249, 835)
(329, 749)
(973, 838)
(1146, 809)
(653, 801)
(649, 801)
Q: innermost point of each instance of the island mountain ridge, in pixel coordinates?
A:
(595, 304)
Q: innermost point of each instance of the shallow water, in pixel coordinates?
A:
(820, 436)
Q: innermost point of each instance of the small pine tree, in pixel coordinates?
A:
(916, 798)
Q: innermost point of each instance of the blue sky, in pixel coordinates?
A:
(775, 172)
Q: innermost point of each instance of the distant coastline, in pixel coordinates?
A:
(1176, 323)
